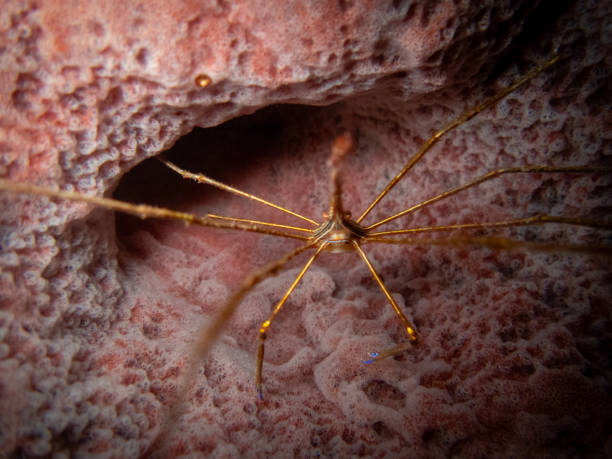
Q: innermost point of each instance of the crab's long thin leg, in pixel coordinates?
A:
(263, 330)
(491, 175)
(214, 328)
(465, 116)
(201, 178)
(209, 334)
(146, 211)
(260, 223)
(497, 243)
(412, 337)
(534, 220)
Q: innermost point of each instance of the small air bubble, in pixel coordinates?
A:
(203, 80)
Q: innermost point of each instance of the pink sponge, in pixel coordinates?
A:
(99, 311)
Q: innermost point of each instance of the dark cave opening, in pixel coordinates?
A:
(221, 152)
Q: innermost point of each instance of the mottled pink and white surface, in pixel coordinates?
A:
(98, 311)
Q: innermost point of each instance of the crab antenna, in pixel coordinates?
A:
(342, 146)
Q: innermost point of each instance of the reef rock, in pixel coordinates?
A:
(99, 311)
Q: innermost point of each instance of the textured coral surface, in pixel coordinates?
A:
(99, 311)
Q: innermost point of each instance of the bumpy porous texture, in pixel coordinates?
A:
(98, 312)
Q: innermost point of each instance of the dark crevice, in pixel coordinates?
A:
(538, 26)
(222, 152)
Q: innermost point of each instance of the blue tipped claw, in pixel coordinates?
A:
(373, 355)
(258, 389)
